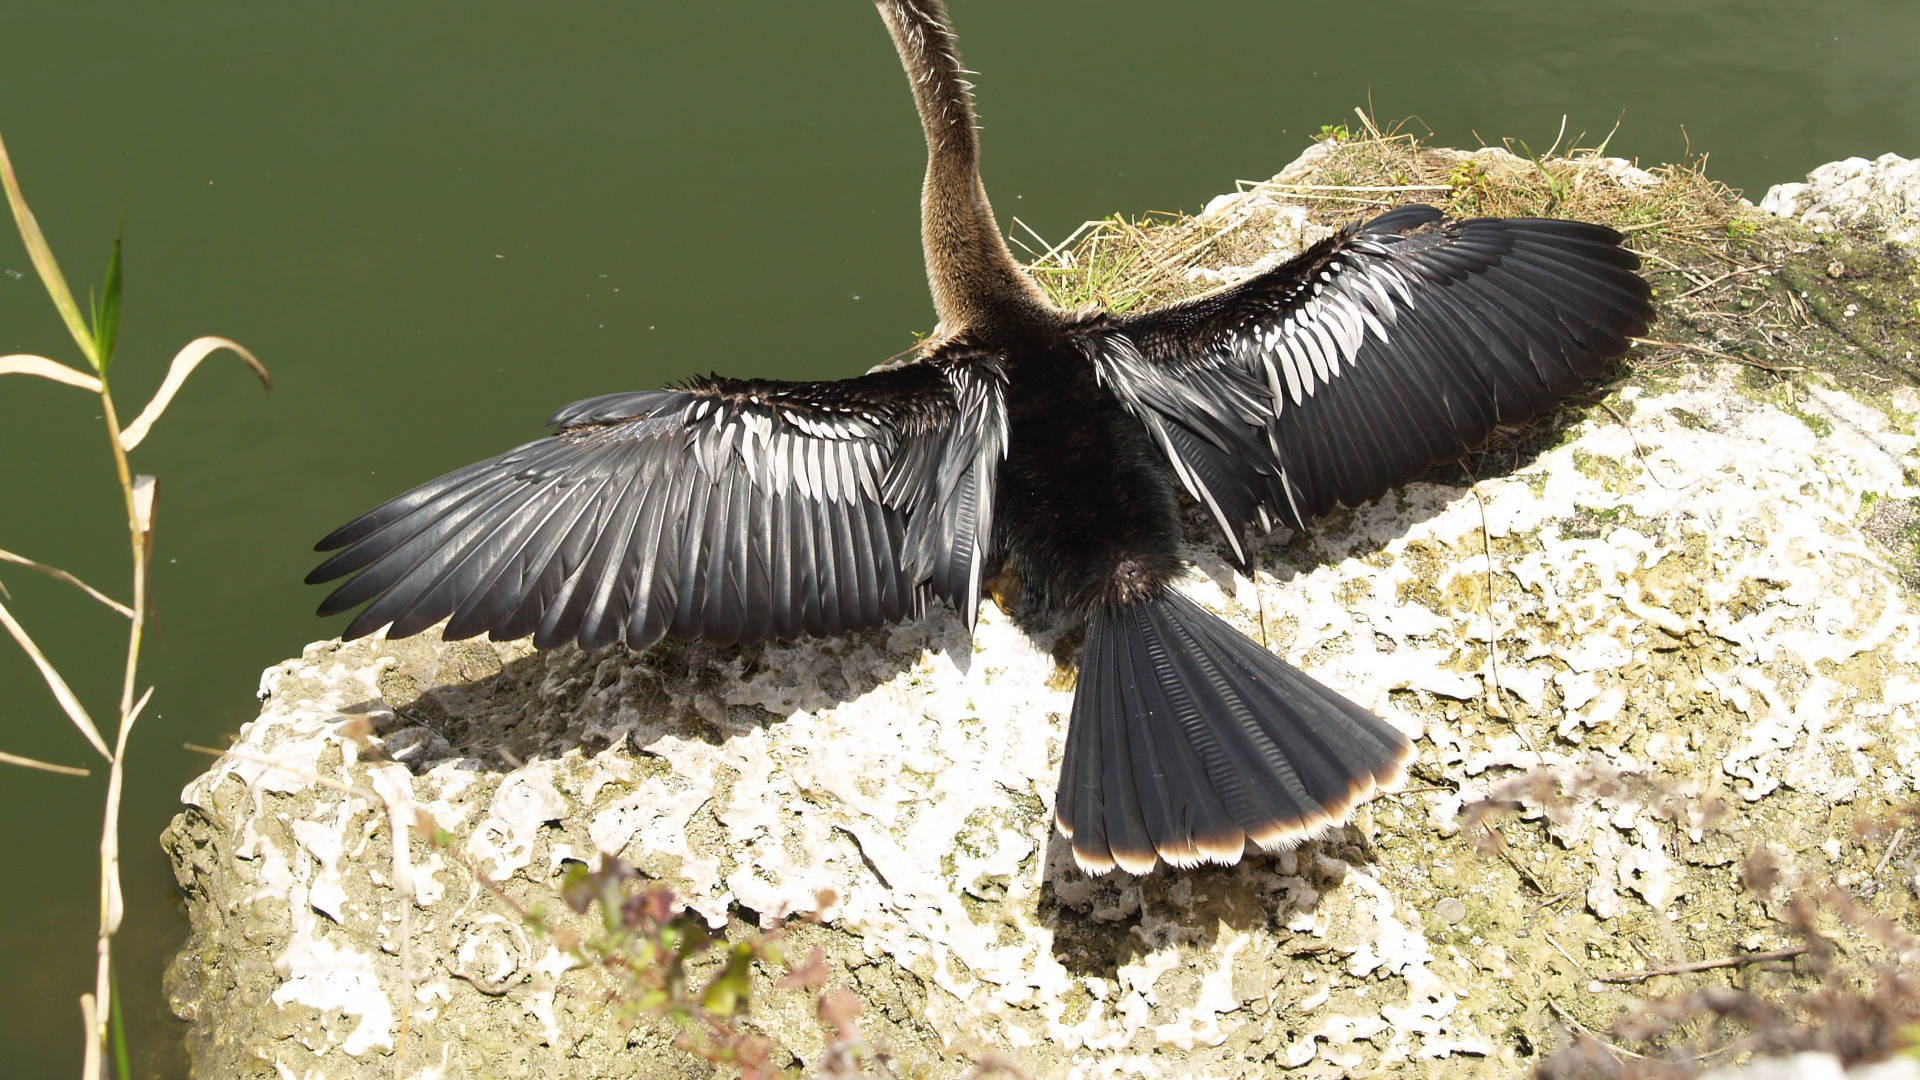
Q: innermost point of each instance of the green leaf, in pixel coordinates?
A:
(576, 887)
(106, 312)
(692, 936)
(727, 993)
(117, 1025)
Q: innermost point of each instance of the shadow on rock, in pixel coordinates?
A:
(1102, 924)
(461, 699)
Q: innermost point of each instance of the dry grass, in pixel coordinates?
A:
(1682, 223)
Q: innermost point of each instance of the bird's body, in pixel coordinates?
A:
(1048, 443)
(1082, 491)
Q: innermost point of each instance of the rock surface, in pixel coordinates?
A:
(1811, 1066)
(1681, 598)
(1882, 194)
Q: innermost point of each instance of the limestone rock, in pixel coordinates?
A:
(1678, 598)
(1811, 1066)
(1882, 194)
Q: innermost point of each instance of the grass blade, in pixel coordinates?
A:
(61, 692)
(42, 766)
(116, 1022)
(43, 261)
(114, 905)
(183, 364)
(61, 575)
(106, 313)
(24, 364)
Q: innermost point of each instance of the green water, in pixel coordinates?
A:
(437, 225)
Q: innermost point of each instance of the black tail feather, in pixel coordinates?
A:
(1187, 739)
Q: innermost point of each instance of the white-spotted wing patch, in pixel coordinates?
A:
(1389, 347)
(1349, 305)
(729, 509)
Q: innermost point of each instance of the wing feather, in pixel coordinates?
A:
(737, 510)
(1392, 346)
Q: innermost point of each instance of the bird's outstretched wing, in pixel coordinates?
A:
(1388, 348)
(727, 509)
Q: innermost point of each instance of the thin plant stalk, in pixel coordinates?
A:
(99, 1010)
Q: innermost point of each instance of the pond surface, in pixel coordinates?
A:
(435, 226)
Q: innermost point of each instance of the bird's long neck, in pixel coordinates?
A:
(971, 272)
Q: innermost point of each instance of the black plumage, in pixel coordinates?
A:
(1205, 740)
(1052, 445)
(728, 509)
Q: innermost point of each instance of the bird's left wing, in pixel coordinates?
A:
(1393, 346)
(727, 509)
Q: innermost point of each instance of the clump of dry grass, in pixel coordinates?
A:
(1121, 265)
(1372, 169)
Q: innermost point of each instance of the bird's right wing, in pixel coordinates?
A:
(1391, 347)
(726, 509)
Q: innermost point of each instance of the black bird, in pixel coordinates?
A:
(1052, 444)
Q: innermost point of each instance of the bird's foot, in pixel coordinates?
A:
(1004, 587)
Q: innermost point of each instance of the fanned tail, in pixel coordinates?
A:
(1187, 739)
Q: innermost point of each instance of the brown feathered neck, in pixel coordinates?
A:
(971, 273)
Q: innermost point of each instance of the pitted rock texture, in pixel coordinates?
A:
(1882, 194)
(1679, 600)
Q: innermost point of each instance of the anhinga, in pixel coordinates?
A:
(1050, 443)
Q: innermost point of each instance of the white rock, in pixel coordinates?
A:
(1882, 194)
